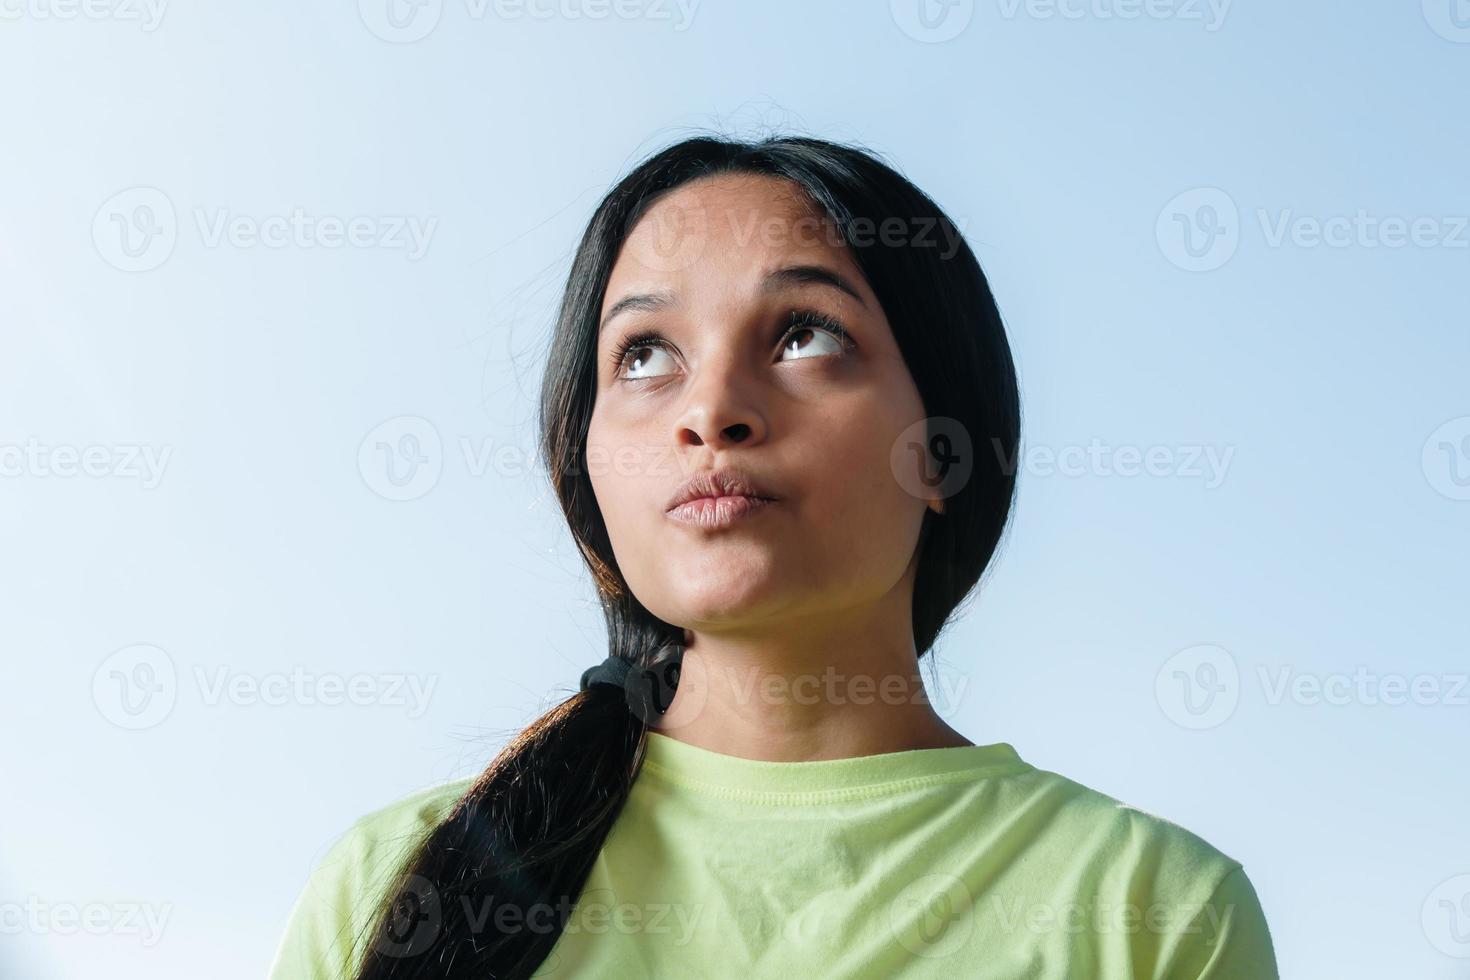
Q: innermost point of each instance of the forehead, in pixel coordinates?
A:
(726, 232)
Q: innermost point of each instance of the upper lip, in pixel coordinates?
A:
(723, 482)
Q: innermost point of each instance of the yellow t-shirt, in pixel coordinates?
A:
(945, 863)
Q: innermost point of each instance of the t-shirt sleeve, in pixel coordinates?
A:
(1228, 939)
(318, 943)
(328, 927)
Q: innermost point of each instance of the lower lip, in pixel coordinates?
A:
(718, 512)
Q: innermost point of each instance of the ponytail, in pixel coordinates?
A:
(487, 894)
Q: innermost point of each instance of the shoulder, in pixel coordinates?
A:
(1122, 832)
(371, 849)
(406, 818)
(343, 892)
(1188, 908)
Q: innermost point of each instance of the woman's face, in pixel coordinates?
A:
(715, 269)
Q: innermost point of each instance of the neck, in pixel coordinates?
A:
(830, 689)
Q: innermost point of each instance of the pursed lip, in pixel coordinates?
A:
(723, 482)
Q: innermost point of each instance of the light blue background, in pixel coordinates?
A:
(1336, 539)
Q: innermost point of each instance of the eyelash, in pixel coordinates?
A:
(798, 319)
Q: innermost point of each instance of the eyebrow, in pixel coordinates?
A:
(783, 278)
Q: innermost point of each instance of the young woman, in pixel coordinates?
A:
(777, 411)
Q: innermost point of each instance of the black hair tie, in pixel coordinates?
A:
(648, 690)
(613, 671)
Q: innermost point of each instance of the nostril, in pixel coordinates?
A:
(738, 432)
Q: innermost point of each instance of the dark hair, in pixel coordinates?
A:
(526, 833)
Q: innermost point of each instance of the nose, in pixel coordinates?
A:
(722, 409)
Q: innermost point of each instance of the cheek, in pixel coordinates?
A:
(854, 501)
(608, 469)
(628, 477)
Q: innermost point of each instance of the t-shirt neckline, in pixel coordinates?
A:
(716, 773)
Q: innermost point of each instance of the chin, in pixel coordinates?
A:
(722, 596)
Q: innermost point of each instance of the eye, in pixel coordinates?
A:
(812, 334)
(803, 334)
(632, 356)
